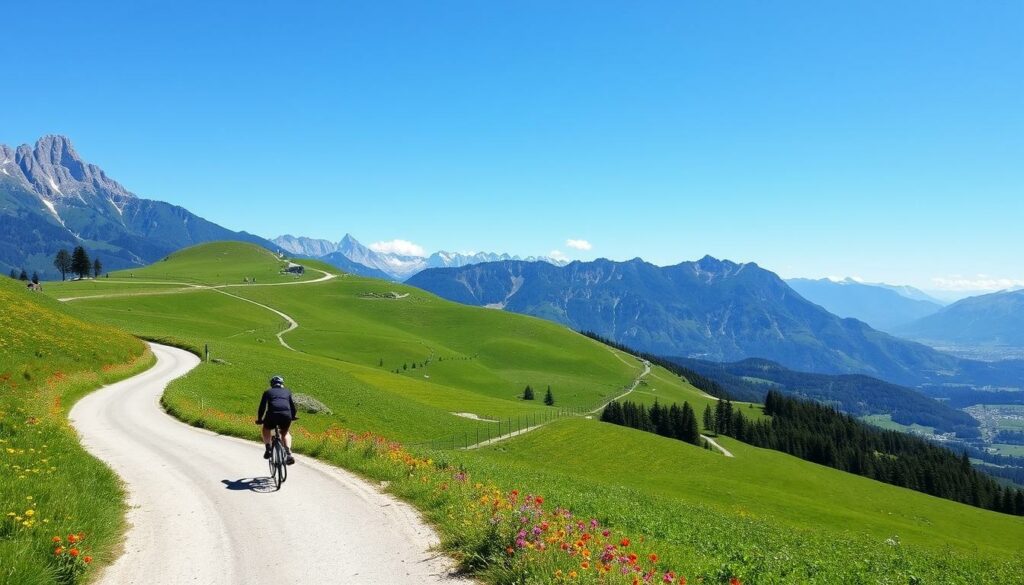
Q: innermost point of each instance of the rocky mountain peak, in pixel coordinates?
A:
(55, 170)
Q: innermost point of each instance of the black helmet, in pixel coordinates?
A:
(277, 381)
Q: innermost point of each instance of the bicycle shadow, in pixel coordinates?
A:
(259, 485)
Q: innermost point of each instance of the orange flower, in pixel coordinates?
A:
(89, 560)
(585, 565)
(59, 550)
(624, 542)
(510, 550)
(573, 574)
(55, 539)
(74, 552)
(653, 557)
(539, 500)
(682, 581)
(735, 581)
(72, 538)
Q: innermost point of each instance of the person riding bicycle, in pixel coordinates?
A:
(277, 409)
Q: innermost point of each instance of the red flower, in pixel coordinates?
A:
(72, 538)
(87, 559)
(539, 500)
(654, 559)
(624, 542)
(74, 552)
(735, 581)
(55, 539)
(59, 550)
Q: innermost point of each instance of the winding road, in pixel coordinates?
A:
(202, 511)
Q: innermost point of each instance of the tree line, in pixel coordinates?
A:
(77, 262)
(675, 422)
(699, 381)
(821, 434)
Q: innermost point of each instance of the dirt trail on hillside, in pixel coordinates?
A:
(201, 510)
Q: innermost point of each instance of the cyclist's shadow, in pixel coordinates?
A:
(250, 484)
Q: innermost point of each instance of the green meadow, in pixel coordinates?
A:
(49, 485)
(400, 362)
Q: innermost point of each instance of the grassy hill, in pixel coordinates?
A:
(401, 363)
(48, 484)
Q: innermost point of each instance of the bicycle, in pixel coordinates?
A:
(277, 462)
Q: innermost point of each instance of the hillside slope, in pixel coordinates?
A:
(48, 484)
(390, 359)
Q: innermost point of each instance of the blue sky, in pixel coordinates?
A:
(882, 140)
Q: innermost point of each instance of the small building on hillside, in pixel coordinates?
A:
(294, 268)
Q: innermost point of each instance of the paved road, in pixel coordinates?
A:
(200, 512)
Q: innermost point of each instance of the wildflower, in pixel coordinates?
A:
(682, 581)
(72, 538)
(573, 574)
(653, 557)
(59, 550)
(87, 559)
(624, 542)
(55, 539)
(30, 512)
(585, 565)
(735, 581)
(74, 552)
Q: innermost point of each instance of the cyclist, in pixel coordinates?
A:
(277, 409)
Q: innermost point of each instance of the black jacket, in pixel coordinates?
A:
(277, 400)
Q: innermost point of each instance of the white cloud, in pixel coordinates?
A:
(558, 255)
(980, 282)
(578, 244)
(402, 247)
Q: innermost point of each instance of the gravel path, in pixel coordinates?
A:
(202, 511)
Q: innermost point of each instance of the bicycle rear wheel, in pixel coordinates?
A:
(282, 468)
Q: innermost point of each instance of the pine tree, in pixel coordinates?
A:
(62, 262)
(690, 432)
(549, 398)
(97, 268)
(35, 277)
(80, 263)
(23, 276)
(528, 393)
(709, 419)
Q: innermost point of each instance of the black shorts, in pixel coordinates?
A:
(276, 419)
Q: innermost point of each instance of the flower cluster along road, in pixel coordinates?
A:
(204, 493)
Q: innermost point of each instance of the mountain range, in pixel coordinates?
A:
(882, 306)
(349, 254)
(995, 319)
(51, 199)
(709, 309)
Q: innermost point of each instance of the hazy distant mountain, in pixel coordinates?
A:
(50, 199)
(394, 266)
(995, 319)
(709, 309)
(883, 307)
(308, 247)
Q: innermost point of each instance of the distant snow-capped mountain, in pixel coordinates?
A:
(396, 266)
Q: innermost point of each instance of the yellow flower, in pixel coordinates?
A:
(30, 512)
